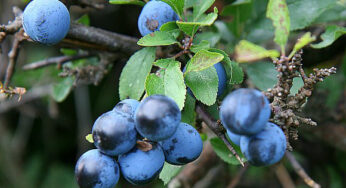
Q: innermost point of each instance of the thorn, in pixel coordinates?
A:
(240, 161)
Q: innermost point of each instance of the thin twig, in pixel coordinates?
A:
(229, 146)
(187, 43)
(238, 177)
(55, 60)
(33, 94)
(12, 55)
(283, 176)
(98, 39)
(301, 172)
(302, 73)
(15, 25)
(216, 127)
(180, 54)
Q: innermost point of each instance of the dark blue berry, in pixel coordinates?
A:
(96, 170)
(184, 146)
(141, 166)
(154, 14)
(114, 133)
(266, 147)
(245, 111)
(157, 117)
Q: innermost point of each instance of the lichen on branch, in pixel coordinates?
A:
(286, 107)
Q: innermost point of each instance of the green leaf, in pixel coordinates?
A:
(189, 3)
(172, 28)
(240, 11)
(228, 9)
(158, 38)
(133, 2)
(235, 73)
(246, 51)
(85, 20)
(303, 41)
(213, 110)
(203, 45)
(190, 28)
(62, 89)
(203, 60)
(67, 51)
(188, 114)
(204, 85)
(225, 59)
(169, 26)
(177, 6)
(167, 81)
(331, 34)
(303, 12)
(224, 153)
(335, 13)
(133, 75)
(260, 30)
(154, 84)
(297, 84)
(262, 74)
(277, 11)
(89, 138)
(168, 172)
(204, 136)
(212, 37)
(200, 6)
(224, 32)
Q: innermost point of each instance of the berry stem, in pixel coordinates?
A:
(217, 128)
(229, 146)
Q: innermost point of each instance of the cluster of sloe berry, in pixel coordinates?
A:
(142, 136)
(245, 114)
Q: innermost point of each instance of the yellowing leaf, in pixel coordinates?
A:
(277, 11)
(246, 51)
